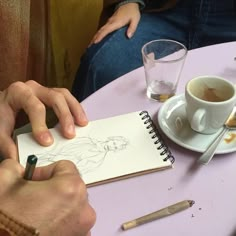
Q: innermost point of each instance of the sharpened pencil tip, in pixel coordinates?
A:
(32, 159)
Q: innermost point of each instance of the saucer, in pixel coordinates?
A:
(174, 124)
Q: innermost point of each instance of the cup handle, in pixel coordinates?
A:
(198, 121)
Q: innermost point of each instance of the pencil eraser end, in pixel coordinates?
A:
(129, 225)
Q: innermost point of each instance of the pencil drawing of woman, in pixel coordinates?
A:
(87, 153)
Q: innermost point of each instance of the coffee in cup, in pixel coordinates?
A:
(209, 102)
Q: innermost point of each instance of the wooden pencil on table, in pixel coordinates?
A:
(170, 210)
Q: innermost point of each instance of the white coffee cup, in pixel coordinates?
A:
(209, 102)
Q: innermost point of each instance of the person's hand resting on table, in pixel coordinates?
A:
(33, 99)
(55, 202)
(127, 14)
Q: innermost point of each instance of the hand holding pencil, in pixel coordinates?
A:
(32, 202)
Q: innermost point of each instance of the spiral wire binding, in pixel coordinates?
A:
(155, 135)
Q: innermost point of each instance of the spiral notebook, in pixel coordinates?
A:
(105, 150)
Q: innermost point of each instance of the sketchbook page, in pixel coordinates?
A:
(104, 149)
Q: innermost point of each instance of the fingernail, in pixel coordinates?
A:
(46, 138)
(129, 34)
(71, 130)
(83, 118)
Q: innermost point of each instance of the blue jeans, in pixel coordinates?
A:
(195, 23)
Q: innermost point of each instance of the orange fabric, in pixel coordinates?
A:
(39, 51)
(22, 41)
(14, 38)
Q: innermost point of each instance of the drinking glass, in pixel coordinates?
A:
(163, 61)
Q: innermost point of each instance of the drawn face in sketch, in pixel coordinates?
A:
(116, 143)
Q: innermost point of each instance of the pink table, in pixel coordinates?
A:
(213, 187)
